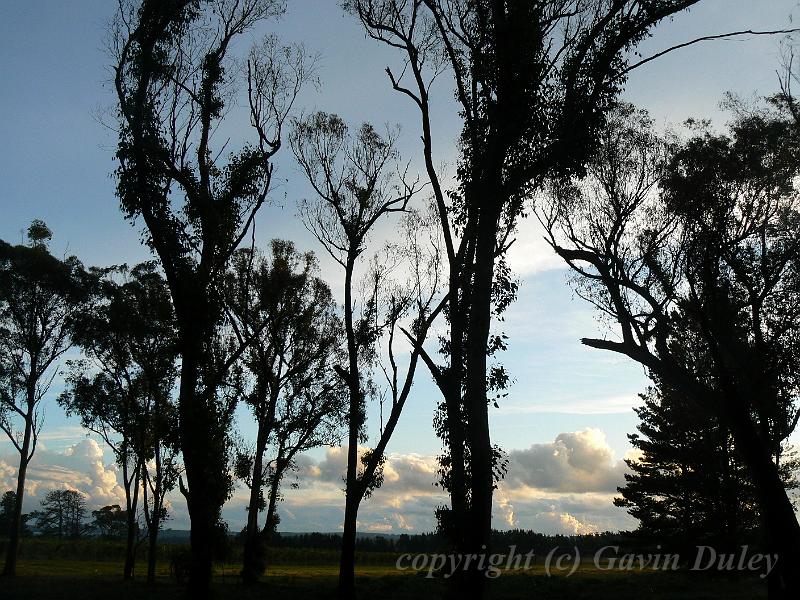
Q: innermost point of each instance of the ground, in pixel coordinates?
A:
(59, 579)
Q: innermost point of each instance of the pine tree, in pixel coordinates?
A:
(688, 487)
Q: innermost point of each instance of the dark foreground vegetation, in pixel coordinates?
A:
(90, 568)
(88, 579)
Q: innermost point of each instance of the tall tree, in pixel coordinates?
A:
(714, 256)
(176, 77)
(355, 190)
(533, 81)
(287, 312)
(40, 296)
(121, 390)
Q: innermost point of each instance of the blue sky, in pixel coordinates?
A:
(56, 164)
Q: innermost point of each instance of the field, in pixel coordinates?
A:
(60, 579)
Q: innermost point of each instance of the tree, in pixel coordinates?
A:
(40, 296)
(176, 76)
(288, 314)
(533, 81)
(713, 258)
(161, 471)
(121, 389)
(111, 522)
(8, 505)
(355, 189)
(309, 417)
(62, 514)
(688, 486)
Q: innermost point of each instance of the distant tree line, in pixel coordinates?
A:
(524, 540)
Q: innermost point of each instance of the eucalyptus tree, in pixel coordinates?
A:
(310, 416)
(110, 522)
(355, 190)
(62, 514)
(532, 81)
(121, 389)
(710, 261)
(280, 307)
(161, 469)
(177, 75)
(40, 297)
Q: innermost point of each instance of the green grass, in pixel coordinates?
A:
(60, 579)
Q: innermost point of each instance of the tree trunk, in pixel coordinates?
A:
(152, 554)
(155, 518)
(253, 559)
(10, 568)
(205, 465)
(273, 503)
(130, 518)
(130, 548)
(347, 564)
(347, 561)
(454, 424)
(269, 528)
(476, 401)
(781, 528)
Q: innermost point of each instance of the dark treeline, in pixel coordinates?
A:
(523, 540)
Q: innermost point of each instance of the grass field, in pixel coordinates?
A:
(60, 579)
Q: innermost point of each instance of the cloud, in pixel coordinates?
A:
(85, 466)
(580, 461)
(555, 522)
(405, 502)
(402, 472)
(565, 486)
(530, 254)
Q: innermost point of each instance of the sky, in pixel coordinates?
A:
(566, 418)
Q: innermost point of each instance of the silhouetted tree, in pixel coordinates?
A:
(161, 471)
(39, 298)
(714, 259)
(287, 313)
(687, 486)
(8, 504)
(175, 76)
(121, 390)
(533, 81)
(355, 189)
(62, 514)
(110, 522)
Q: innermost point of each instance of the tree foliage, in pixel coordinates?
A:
(708, 263)
(110, 522)
(176, 77)
(40, 298)
(279, 306)
(62, 514)
(122, 388)
(8, 504)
